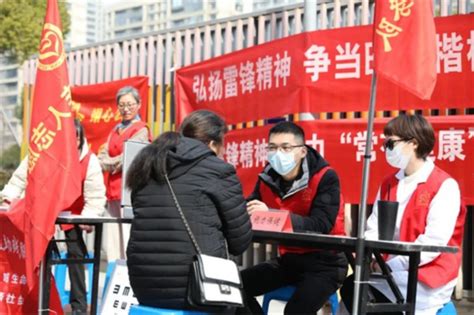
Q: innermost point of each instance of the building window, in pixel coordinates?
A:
(135, 30)
(8, 100)
(8, 74)
(8, 87)
(135, 15)
(121, 17)
(120, 33)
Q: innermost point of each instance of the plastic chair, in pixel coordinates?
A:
(285, 293)
(143, 310)
(60, 273)
(447, 309)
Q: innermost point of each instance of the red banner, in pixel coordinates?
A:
(342, 143)
(95, 106)
(321, 71)
(15, 296)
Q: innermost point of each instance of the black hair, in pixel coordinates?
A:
(151, 162)
(288, 127)
(79, 133)
(205, 126)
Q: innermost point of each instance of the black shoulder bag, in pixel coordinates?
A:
(213, 281)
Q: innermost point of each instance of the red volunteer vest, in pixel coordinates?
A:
(116, 140)
(445, 267)
(78, 205)
(300, 203)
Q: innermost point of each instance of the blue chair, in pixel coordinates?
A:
(146, 310)
(447, 309)
(285, 293)
(60, 274)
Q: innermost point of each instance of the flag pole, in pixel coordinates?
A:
(41, 288)
(360, 247)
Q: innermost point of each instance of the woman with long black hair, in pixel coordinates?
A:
(160, 251)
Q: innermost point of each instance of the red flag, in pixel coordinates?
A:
(54, 180)
(405, 44)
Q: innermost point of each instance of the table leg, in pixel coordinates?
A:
(414, 261)
(45, 278)
(96, 267)
(364, 285)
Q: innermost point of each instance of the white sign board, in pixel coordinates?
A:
(119, 295)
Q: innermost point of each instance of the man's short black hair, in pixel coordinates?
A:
(288, 127)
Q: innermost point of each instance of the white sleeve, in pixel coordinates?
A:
(440, 223)
(94, 189)
(16, 186)
(372, 229)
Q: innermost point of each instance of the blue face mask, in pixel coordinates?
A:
(281, 162)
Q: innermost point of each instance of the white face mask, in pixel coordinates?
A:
(396, 158)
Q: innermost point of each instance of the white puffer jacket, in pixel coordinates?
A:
(94, 188)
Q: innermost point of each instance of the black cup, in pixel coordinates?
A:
(387, 218)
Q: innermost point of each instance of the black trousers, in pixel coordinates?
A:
(78, 294)
(347, 293)
(316, 276)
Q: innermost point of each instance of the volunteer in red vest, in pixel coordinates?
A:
(429, 212)
(299, 180)
(90, 203)
(130, 128)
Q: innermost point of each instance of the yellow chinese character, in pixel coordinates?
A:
(42, 137)
(401, 7)
(117, 116)
(96, 115)
(76, 107)
(57, 114)
(66, 94)
(108, 115)
(32, 159)
(387, 30)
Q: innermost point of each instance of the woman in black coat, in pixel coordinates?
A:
(160, 251)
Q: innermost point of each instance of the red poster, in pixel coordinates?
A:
(342, 143)
(321, 71)
(96, 107)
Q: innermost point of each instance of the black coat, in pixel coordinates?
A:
(160, 251)
(325, 205)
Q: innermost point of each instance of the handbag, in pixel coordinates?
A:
(213, 281)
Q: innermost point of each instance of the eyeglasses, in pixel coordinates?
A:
(390, 143)
(287, 148)
(126, 105)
